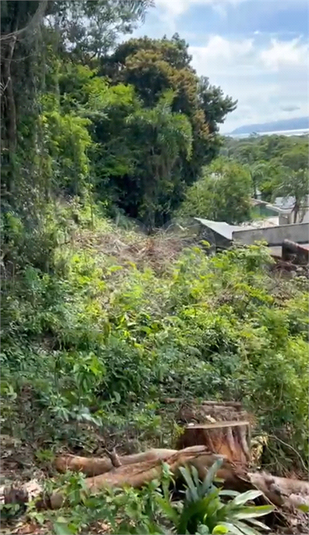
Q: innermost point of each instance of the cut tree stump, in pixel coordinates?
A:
(231, 439)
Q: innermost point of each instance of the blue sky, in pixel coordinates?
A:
(256, 50)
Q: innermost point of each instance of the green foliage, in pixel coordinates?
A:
(272, 160)
(222, 194)
(154, 67)
(94, 335)
(203, 507)
(166, 137)
(98, 340)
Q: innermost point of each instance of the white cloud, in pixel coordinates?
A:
(263, 78)
(221, 55)
(176, 8)
(179, 7)
(267, 72)
(285, 54)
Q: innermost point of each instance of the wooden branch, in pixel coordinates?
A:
(114, 457)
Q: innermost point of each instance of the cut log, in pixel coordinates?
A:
(140, 473)
(235, 404)
(231, 439)
(279, 491)
(212, 411)
(91, 466)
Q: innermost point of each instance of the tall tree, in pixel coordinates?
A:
(154, 66)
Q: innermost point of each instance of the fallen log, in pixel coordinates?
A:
(281, 492)
(91, 466)
(140, 473)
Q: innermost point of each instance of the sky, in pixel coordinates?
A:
(257, 51)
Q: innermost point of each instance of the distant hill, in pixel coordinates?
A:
(300, 123)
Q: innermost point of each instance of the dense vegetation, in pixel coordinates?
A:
(278, 164)
(101, 323)
(269, 166)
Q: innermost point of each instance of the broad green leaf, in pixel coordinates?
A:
(62, 528)
(195, 476)
(188, 479)
(246, 529)
(246, 496)
(253, 512)
(232, 528)
(168, 509)
(196, 509)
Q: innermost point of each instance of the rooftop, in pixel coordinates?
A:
(226, 230)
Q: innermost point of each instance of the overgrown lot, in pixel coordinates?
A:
(124, 321)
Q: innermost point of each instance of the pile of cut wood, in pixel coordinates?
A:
(203, 441)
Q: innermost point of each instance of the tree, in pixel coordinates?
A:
(90, 27)
(153, 66)
(222, 194)
(295, 184)
(296, 158)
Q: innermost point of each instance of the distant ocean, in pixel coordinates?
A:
(278, 133)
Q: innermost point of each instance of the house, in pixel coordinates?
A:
(286, 207)
(283, 207)
(221, 235)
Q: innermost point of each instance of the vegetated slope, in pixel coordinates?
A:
(124, 321)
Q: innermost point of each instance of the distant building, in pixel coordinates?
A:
(283, 207)
(221, 235)
(286, 207)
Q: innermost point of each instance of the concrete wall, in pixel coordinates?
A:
(274, 236)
